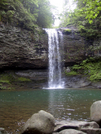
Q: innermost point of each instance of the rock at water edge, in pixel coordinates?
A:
(95, 112)
(40, 123)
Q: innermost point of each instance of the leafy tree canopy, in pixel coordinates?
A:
(28, 14)
(86, 16)
(91, 8)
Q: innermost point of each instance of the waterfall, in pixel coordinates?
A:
(54, 55)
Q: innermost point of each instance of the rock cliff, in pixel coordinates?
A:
(74, 46)
(20, 48)
(77, 48)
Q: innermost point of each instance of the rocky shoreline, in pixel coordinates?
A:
(45, 123)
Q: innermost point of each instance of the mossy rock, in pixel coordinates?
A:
(71, 73)
(3, 87)
(9, 80)
(67, 31)
(23, 79)
(90, 67)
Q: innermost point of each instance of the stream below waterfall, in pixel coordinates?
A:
(65, 104)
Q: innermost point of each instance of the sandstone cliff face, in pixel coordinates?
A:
(20, 48)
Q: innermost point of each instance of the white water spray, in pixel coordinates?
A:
(55, 76)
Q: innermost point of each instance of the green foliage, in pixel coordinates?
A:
(28, 14)
(90, 67)
(86, 16)
(45, 17)
(76, 67)
(91, 10)
(67, 30)
(7, 80)
(3, 87)
(71, 73)
(23, 79)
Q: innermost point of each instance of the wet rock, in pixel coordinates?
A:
(76, 82)
(67, 69)
(96, 84)
(33, 74)
(78, 125)
(40, 123)
(71, 131)
(97, 47)
(91, 130)
(95, 112)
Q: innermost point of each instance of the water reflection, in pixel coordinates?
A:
(71, 104)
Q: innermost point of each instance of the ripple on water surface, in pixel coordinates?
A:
(65, 104)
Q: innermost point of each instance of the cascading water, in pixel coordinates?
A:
(55, 76)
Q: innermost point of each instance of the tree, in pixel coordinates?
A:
(28, 14)
(86, 16)
(91, 8)
(45, 17)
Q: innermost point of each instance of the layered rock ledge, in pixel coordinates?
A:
(20, 48)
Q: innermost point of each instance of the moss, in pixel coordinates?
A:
(23, 79)
(90, 67)
(7, 81)
(69, 57)
(76, 58)
(3, 87)
(4, 81)
(67, 30)
(4, 78)
(71, 73)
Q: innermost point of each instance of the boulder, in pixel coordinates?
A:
(40, 123)
(95, 112)
(71, 131)
(78, 125)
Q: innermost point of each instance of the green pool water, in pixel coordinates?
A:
(65, 104)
